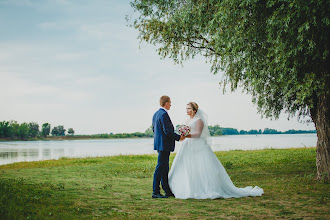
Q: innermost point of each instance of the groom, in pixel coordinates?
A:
(164, 143)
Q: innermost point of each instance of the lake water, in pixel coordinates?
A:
(17, 151)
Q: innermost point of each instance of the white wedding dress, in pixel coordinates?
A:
(197, 173)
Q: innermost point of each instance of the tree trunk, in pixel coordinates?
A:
(321, 117)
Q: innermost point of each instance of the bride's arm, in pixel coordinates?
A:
(199, 129)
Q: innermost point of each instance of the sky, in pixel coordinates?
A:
(78, 64)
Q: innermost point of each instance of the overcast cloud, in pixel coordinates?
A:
(77, 64)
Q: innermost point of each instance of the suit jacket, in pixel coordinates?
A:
(164, 136)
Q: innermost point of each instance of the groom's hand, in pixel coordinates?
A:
(182, 138)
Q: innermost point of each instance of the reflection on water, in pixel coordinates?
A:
(7, 154)
(11, 152)
(17, 151)
(29, 154)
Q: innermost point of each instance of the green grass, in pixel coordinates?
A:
(120, 187)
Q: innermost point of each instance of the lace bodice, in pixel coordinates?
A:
(192, 124)
(196, 127)
(199, 127)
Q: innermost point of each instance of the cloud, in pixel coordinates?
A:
(70, 56)
(5, 55)
(76, 63)
(17, 2)
(27, 91)
(53, 25)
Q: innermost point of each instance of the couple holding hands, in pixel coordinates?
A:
(196, 172)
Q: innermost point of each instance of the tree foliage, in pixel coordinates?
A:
(54, 131)
(45, 130)
(215, 130)
(13, 130)
(61, 130)
(34, 129)
(71, 131)
(149, 132)
(278, 51)
(5, 129)
(23, 131)
(58, 131)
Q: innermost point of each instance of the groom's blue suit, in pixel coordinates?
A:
(164, 143)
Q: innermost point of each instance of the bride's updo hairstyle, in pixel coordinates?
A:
(194, 106)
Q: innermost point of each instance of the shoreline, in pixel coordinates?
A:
(130, 155)
(90, 137)
(66, 138)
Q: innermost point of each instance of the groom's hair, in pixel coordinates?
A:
(163, 100)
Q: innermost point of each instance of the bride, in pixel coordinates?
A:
(196, 171)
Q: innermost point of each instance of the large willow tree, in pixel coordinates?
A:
(276, 50)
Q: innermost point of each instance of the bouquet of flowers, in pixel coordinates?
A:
(183, 130)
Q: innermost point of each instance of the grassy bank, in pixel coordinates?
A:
(120, 187)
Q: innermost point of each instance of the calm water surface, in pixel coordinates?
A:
(18, 151)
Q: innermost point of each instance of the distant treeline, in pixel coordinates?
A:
(147, 133)
(14, 131)
(11, 130)
(217, 130)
